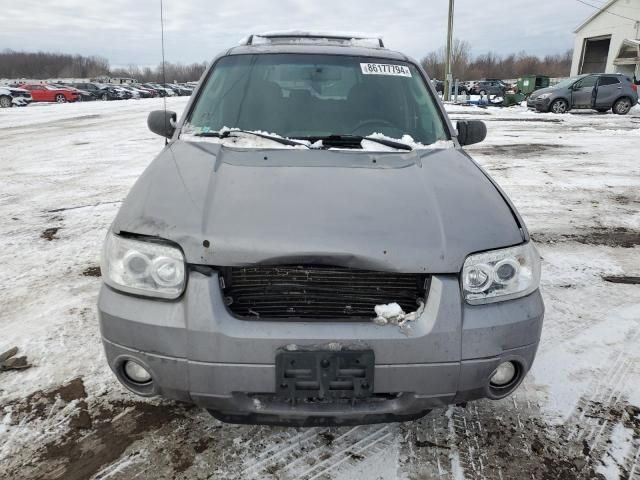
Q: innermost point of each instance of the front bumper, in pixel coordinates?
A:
(539, 104)
(198, 352)
(21, 101)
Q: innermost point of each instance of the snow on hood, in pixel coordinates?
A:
(406, 139)
(245, 140)
(242, 139)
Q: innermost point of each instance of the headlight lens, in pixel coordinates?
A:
(544, 95)
(148, 268)
(501, 274)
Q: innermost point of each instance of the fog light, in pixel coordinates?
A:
(504, 374)
(136, 372)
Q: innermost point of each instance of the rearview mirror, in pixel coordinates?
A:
(471, 131)
(162, 122)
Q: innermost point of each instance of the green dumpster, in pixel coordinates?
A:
(528, 84)
(513, 99)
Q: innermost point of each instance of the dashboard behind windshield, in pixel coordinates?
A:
(306, 96)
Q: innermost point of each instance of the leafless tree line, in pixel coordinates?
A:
(43, 65)
(492, 65)
(173, 72)
(47, 65)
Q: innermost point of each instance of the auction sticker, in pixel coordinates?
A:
(385, 69)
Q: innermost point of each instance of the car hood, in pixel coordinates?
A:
(421, 211)
(543, 90)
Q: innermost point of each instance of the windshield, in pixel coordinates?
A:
(313, 96)
(568, 82)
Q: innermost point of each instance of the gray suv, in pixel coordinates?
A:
(601, 92)
(314, 247)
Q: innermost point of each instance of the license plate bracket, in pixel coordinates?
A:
(325, 374)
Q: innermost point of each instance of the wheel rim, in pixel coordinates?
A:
(559, 107)
(5, 102)
(623, 106)
(60, 99)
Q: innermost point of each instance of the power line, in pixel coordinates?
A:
(607, 11)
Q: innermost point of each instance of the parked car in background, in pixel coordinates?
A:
(96, 90)
(598, 91)
(162, 91)
(419, 291)
(41, 92)
(169, 91)
(158, 91)
(12, 96)
(148, 91)
(439, 86)
(490, 87)
(180, 90)
(122, 93)
(131, 91)
(83, 95)
(470, 85)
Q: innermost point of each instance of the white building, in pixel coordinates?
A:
(609, 40)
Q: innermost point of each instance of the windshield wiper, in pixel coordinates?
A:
(346, 140)
(228, 133)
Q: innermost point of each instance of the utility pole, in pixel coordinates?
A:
(448, 80)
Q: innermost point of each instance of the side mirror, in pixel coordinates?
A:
(162, 122)
(471, 131)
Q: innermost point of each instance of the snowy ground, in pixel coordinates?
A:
(575, 179)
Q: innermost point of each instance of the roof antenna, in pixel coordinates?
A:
(164, 77)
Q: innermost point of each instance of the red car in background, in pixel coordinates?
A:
(47, 93)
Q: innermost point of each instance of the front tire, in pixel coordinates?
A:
(622, 106)
(6, 101)
(559, 106)
(61, 98)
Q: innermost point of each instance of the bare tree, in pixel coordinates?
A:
(43, 65)
(48, 65)
(492, 65)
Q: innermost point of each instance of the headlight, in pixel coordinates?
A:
(149, 267)
(501, 274)
(543, 96)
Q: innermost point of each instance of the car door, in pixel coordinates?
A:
(38, 93)
(582, 92)
(608, 90)
(48, 95)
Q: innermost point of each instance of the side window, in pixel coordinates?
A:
(586, 82)
(608, 81)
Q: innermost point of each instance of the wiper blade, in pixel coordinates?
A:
(228, 133)
(357, 139)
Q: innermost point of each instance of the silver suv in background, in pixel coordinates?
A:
(601, 92)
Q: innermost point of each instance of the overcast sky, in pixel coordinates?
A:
(128, 32)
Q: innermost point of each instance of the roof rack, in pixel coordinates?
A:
(297, 35)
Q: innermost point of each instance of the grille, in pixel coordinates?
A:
(317, 292)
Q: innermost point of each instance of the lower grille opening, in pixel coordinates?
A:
(318, 292)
